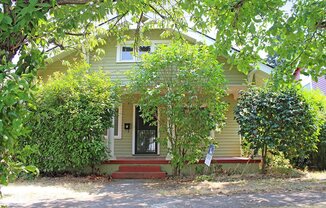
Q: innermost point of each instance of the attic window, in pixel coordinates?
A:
(126, 53)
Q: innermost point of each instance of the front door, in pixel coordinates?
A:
(145, 136)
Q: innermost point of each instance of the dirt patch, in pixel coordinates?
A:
(239, 184)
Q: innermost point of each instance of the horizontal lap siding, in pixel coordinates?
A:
(118, 70)
(123, 146)
(228, 139)
(233, 76)
(55, 66)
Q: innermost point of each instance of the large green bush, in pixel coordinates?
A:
(317, 100)
(277, 121)
(72, 112)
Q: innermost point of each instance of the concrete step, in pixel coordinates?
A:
(139, 168)
(138, 175)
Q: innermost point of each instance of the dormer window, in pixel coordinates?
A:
(125, 53)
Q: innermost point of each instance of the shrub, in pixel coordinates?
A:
(73, 111)
(277, 121)
(317, 100)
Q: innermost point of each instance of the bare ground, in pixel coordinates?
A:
(227, 191)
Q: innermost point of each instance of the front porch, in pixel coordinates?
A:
(129, 137)
(160, 167)
(133, 146)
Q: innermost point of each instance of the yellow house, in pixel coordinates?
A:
(126, 145)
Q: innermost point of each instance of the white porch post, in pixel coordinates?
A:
(111, 140)
(168, 155)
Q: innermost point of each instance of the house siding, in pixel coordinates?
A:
(119, 70)
(56, 66)
(228, 139)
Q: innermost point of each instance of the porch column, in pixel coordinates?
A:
(168, 155)
(111, 140)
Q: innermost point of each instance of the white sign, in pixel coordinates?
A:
(209, 155)
(208, 159)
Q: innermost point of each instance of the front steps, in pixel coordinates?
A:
(139, 172)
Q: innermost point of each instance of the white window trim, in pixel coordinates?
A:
(119, 123)
(130, 43)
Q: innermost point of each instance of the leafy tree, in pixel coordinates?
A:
(292, 31)
(15, 97)
(277, 121)
(186, 84)
(73, 111)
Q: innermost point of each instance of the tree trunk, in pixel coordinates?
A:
(264, 154)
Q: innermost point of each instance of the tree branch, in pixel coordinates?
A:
(136, 39)
(65, 2)
(109, 20)
(156, 11)
(77, 34)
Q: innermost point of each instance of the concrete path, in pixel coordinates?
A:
(136, 193)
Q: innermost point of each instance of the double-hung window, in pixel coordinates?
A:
(126, 52)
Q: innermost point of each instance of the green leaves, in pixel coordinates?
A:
(289, 31)
(73, 110)
(277, 120)
(186, 84)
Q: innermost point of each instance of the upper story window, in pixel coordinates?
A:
(125, 53)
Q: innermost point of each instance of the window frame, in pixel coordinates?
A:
(153, 45)
(119, 136)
